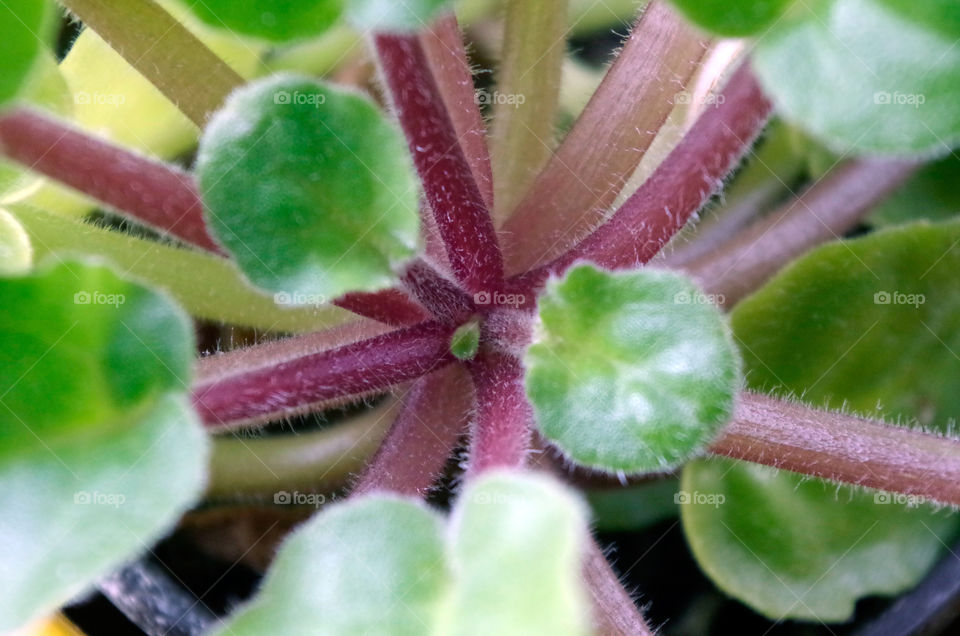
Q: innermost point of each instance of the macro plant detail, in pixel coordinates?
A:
(533, 316)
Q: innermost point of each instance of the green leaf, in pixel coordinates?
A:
(309, 188)
(732, 18)
(373, 565)
(931, 195)
(100, 451)
(516, 546)
(632, 371)
(16, 253)
(804, 549)
(25, 27)
(507, 563)
(269, 19)
(465, 341)
(390, 15)
(869, 325)
(869, 76)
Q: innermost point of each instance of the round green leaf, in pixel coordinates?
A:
(269, 19)
(25, 27)
(100, 451)
(631, 371)
(800, 548)
(373, 565)
(391, 15)
(309, 188)
(869, 325)
(931, 194)
(465, 341)
(869, 76)
(516, 544)
(731, 17)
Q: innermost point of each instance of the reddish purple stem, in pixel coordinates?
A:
(153, 193)
(502, 426)
(680, 186)
(447, 302)
(462, 218)
(360, 367)
(413, 454)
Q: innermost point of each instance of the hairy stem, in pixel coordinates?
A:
(527, 91)
(447, 302)
(615, 613)
(189, 74)
(502, 424)
(435, 414)
(679, 187)
(842, 448)
(320, 461)
(153, 193)
(444, 50)
(580, 183)
(825, 211)
(461, 216)
(298, 385)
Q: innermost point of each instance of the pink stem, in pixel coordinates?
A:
(461, 216)
(842, 448)
(413, 454)
(502, 427)
(151, 192)
(389, 306)
(688, 177)
(615, 613)
(294, 385)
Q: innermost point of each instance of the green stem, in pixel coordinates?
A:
(321, 461)
(207, 286)
(525, 101)
(174, 60)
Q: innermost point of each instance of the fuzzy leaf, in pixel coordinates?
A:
(871, 76)
(508, 563)
(465, 341)
(632, 371)
(309, 188)
(24, 24)
(516, 546)
(374, 565)
(870, 324)
(390, 15)
(269, 19)
(100, 451)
